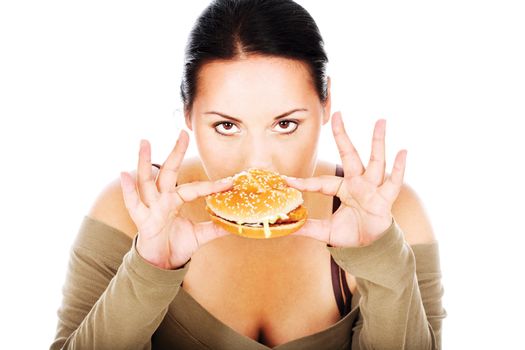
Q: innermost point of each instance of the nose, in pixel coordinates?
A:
(259, 155)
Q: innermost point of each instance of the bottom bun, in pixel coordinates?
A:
(278, 230)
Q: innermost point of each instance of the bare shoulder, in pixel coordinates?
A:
(409, 212)
(109, 206)
(325, 167)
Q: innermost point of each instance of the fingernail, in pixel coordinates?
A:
(226, 180)
(289, 177)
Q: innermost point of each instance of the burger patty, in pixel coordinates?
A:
(293, 216)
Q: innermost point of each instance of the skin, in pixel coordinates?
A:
(276, 86)
(166, 238)
(254, 90)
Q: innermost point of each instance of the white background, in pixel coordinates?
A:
(82, 82)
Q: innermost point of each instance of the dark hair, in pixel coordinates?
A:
(229, 29)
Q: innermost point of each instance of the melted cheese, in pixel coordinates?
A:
(265, 223)
(271, 219)
(267, 232)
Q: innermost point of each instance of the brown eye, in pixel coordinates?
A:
(226, 128)
(285, 126)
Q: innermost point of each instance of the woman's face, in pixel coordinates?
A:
(276, 117)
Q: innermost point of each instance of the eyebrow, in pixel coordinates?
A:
(240, 121)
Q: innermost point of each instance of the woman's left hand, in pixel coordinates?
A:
(366, 195)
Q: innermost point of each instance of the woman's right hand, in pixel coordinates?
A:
(166, 239)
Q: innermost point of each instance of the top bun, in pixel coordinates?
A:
(256, 195)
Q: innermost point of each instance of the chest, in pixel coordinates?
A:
(270, 291)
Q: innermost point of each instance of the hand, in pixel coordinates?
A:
(366, 196)
(166, 239)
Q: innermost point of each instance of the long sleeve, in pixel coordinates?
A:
(399, 290)
(112, 297)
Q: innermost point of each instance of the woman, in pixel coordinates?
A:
(149, 270)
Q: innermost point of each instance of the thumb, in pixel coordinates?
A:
(316, 229)
(207, 231)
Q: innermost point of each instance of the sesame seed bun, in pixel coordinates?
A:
(258, 196)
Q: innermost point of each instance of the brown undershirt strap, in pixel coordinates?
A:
(343, 297)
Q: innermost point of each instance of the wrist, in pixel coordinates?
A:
(151, 256)
(378, 232)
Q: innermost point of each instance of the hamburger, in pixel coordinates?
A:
(260, 204)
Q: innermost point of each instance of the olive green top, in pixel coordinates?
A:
(114, 299)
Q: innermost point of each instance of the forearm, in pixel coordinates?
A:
(129, 310)
(392, 314)
(392, 318)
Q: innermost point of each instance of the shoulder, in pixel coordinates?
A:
(409, 212)
(109, 206)
(325, 167)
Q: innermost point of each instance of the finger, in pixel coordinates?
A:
(169, 171)
(352, 165)
(188, 192)
(137, 210)
(325, 184)
(317, 229)
(392, 186)
(375, 169)
(206, 231)
(145, 180)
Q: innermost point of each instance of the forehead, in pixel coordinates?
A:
(256, 80)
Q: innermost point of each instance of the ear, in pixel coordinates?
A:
(187, 118)
(328, 104)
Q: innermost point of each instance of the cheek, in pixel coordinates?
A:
(209, 144)
(303, 146)
(299, 155)
(296, 155)
(217, 154)
(305, 138)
